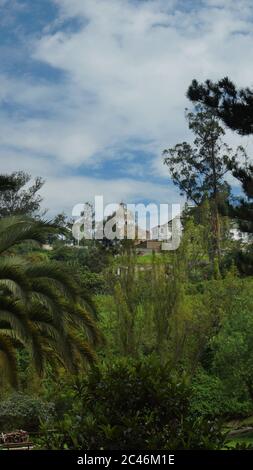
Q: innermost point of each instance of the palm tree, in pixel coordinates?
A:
(41, 307)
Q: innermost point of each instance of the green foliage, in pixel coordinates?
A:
(211, 398)
(240, 256)
(136, 318)
(20, 411)
(234, 107)
(89, 256)
(199, 170)
(175, 338)
(16, 198)
(224, 386)
(133, 405)
(42, 308)
(233, 345)
(231, 104)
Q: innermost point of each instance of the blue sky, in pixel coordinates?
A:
(92, 91)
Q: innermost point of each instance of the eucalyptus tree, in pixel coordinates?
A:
(199, 169)
(233, 106)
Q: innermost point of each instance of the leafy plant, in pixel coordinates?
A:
(41, 306)
(21, 411)
(133, 405)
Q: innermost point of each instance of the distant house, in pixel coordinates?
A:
(148, 246)
(238, 235)
(161, 237)
(153, 243)
(162, 232)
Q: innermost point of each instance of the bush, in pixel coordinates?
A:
(20, 411)
(211, 398)
(133, 405)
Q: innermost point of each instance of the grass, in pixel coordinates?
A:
(149, 258)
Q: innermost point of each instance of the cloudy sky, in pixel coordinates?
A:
(92, 91)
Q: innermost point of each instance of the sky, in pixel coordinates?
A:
(92, 91)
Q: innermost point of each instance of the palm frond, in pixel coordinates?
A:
(41, 306)
(79, 316)
(58, 277)
(12, 276)
(8, 359)
(14, 313)
(17, 229)
(82, 348)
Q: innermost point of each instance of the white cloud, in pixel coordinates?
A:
(136, 60)
(61, 194)
(126, 69)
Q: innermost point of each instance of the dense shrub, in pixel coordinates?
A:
(20, 411)
(92, 256)
(133, 405)
(211, 398)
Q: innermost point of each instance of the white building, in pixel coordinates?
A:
(237, 235)
(162, 232)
